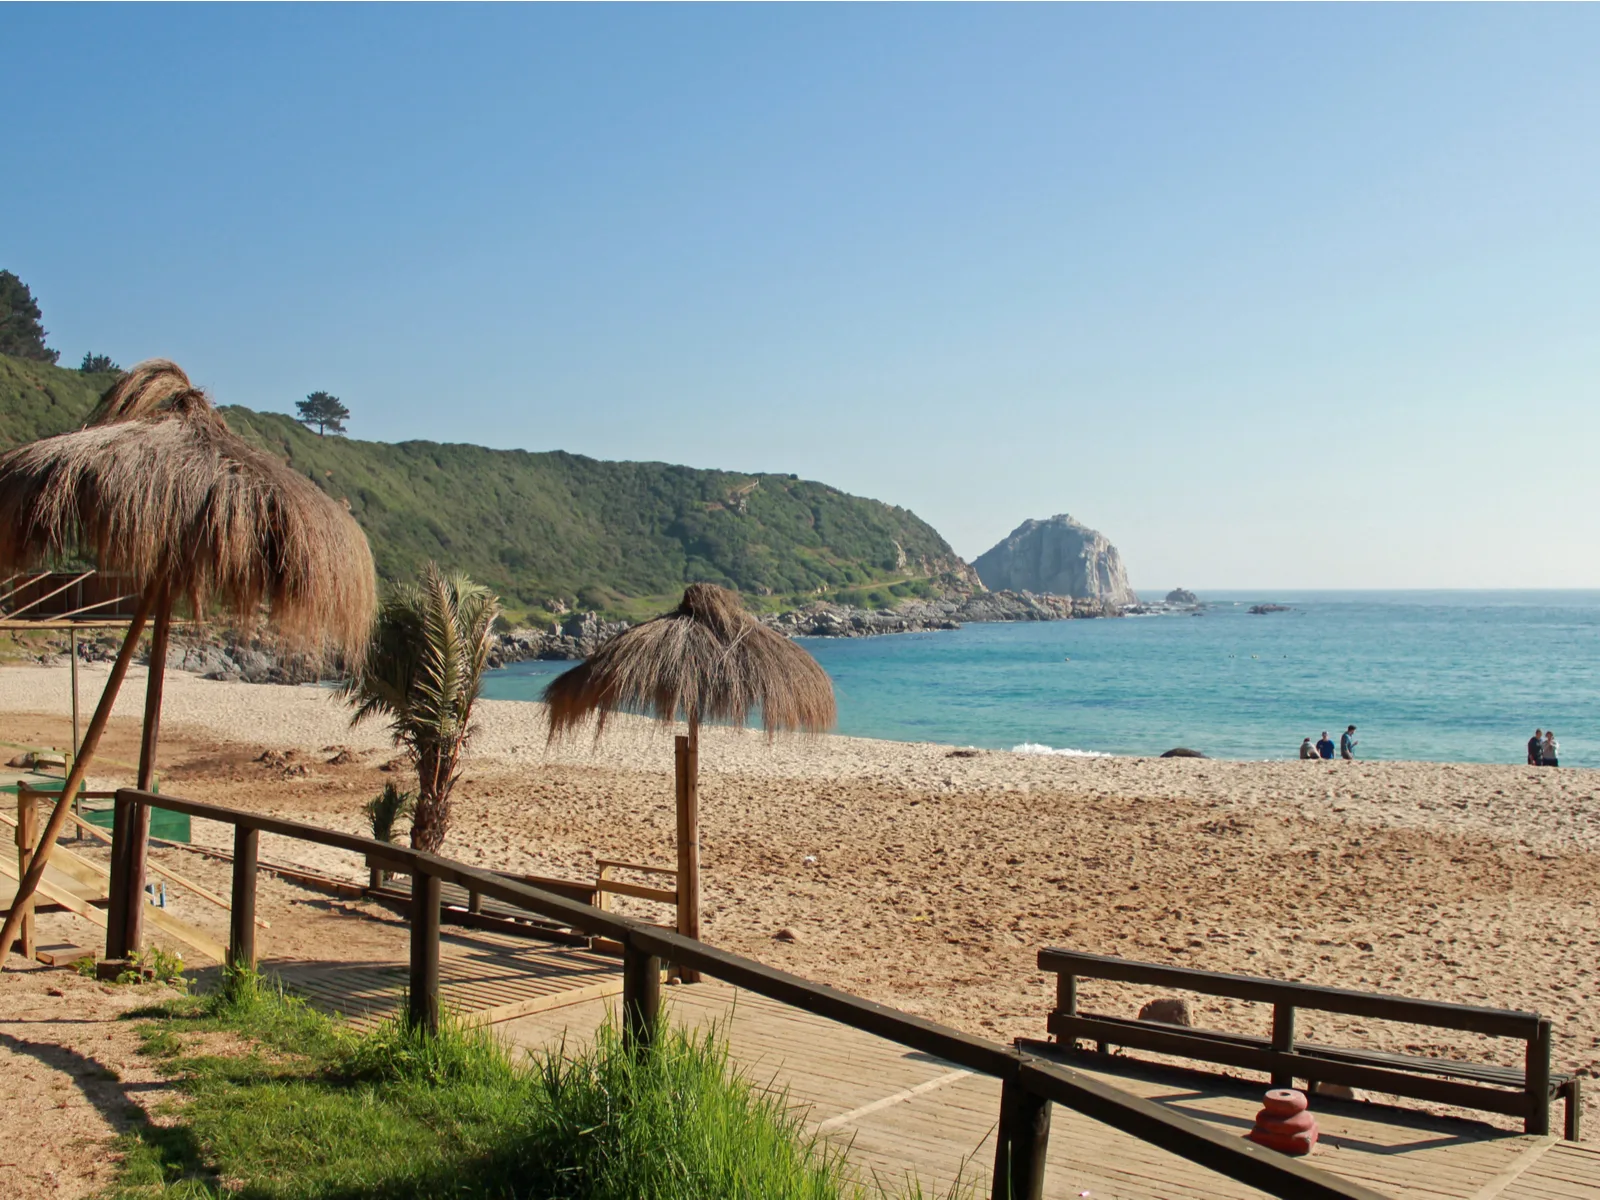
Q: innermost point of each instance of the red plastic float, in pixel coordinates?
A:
(1285, 1123)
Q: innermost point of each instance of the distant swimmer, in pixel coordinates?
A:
(1307, 750)
(1325, 745)
(1347, 743)
(1536, 748)
(1550, 750)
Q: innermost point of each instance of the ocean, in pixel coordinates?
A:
(1445, 676)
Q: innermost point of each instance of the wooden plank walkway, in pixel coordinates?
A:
(484, 977)
(1566, 1171)
(898, 1112)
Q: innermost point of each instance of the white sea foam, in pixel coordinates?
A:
(1040, 748)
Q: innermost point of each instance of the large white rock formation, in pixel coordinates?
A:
(1058, 557)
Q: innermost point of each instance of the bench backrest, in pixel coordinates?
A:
(1496, 1022)
(1284, 1060)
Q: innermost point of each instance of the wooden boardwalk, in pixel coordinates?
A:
(899, 1112)
(484, 977)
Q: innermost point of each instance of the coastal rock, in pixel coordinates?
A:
(1259, 609)
(1058, 557)
(1182, 596)
(1182, 752)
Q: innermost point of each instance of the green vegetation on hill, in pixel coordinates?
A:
(552, 530)
(37, 399)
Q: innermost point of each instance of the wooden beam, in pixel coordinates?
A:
(1496, 1022)
(1022, 1138)
(686, 761)
(641, 997)
(422, 1001)
(139, 826)
(26, 837)
(1536, 1070)
(618, 887)
(241, 922)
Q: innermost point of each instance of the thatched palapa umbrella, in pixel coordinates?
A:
(156, 486)
(708, 660)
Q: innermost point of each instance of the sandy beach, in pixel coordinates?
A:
(930, 881)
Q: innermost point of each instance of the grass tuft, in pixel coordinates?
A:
(316, 1112)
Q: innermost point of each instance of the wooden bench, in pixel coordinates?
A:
(1525, 1093)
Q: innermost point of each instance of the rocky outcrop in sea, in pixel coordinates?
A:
(1058, 557)
(832, 620)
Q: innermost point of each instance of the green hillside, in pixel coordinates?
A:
(548, 527)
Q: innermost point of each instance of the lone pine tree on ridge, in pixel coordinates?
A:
(324, 411)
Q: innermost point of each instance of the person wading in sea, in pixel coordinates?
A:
(1347, 743)
(1536, 748)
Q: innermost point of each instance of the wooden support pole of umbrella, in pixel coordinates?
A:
(687, 778)
(130, 844)
(29, 883)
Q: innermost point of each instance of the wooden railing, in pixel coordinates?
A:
(1524, 1093)
(1028, 1084)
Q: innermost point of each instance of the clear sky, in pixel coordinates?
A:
(1275, 296)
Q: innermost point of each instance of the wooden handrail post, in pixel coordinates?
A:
(27, 844)
(422, 1006)
(1020, 1144)
(641, 996)
(1536, 1073)
(118, 900)
(1067, 994)
(139, 841)
(242, 916)
(1282, 1039)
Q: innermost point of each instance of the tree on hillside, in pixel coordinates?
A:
(21, 334)
(323, 411)
(424, 670)
(97, 364)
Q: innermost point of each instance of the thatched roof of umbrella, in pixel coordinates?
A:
(708, 660)
(156, 486)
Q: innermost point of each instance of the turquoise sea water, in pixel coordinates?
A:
(1463, 676)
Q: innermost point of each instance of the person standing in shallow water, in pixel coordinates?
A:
(1347, 743)
(1536, 748)
(1551, 751)
(1325, 745)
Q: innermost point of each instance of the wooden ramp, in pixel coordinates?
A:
(898, 1112)
(484, 977)
(80, 885)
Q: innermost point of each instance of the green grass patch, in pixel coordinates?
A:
(307, 1109)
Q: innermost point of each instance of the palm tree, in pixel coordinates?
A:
(423, 670)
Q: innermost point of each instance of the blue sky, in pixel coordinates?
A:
(1275, 296)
